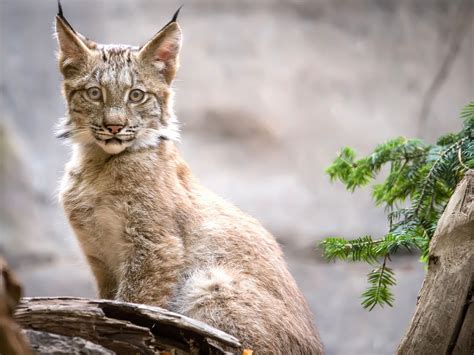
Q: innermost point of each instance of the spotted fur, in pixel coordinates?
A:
(151, 233)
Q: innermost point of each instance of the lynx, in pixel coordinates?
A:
(150, 232)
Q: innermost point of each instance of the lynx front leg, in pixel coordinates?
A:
(106, 282)
(104, 275)
(150, 273)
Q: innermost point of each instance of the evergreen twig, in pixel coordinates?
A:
(421, 177)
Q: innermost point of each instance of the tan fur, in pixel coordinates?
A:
(151, 233)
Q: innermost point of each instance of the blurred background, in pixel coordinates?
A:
(267, 94)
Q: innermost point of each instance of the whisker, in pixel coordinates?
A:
(71, 132)
(64, 135)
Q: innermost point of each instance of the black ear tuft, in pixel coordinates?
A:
(174, 19)
(61, 16)
(175, 16)
(60, 9)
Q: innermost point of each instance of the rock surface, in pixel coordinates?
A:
(267, 93)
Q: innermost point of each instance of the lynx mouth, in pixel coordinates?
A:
(116, 140)
(115, 145)
(113, 141)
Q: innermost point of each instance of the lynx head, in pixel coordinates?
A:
(118, 96)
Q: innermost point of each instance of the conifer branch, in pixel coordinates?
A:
(421, 175)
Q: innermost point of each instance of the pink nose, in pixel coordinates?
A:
(114, 129)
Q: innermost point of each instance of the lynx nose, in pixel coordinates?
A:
(114, 129)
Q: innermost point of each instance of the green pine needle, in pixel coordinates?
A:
(420, 181)
(380, 280)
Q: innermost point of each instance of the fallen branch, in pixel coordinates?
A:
(119, 327)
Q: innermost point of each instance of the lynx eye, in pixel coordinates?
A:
(94, 93)
(136, 95)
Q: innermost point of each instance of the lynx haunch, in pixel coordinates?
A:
(150, 232)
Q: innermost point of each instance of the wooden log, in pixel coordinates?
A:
(49, 343)
(123, 328)
(443, 322)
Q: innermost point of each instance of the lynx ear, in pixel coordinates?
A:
(73, 50)
(162, 51)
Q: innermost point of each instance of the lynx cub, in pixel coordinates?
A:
(150, 232)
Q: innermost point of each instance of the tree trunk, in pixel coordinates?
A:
(72, 325)
(443, 322)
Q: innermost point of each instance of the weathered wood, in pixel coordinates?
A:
(45, 343)
(466, 334)
(11, 340)
(443, 321)
(124, 328)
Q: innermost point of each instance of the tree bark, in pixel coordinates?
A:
(107, 327)
(12, 341)
(443, 322)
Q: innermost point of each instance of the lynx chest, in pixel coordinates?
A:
(98, 216)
